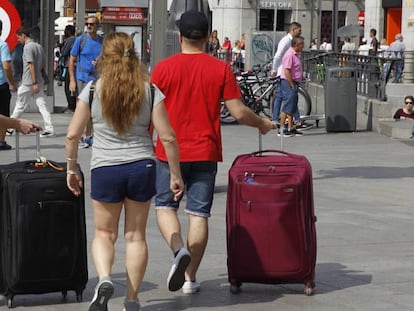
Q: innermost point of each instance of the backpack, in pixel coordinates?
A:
(82, 44)
(60, 71)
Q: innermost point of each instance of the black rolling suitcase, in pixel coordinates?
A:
(42, 230)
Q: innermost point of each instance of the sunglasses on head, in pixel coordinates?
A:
(409, 103)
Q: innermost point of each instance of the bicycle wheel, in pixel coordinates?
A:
(304, 102)
(265, 100)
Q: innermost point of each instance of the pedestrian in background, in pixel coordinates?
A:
(314, 44)
(226, 49)
(406, 112)
(325, 46)
(237, 57)
(122, 163)
(6, 84)
(375, 45)
(83, 56)
(243, 41)
(193, 74)
(292, 75)
(32, 85)
(213, 45)
(397, 50)
(348, 46)
(65, 55)
(295, 30)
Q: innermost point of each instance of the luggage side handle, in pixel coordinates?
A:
(268, 151)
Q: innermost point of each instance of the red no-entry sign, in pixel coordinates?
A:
(11, 22)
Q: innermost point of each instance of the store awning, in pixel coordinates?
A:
(124, 3)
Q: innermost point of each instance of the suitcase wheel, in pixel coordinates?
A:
(309, 288)
(235, 287)
(79, 296)
(64, 295)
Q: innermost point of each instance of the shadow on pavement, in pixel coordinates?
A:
(368, 172)
(215, 293)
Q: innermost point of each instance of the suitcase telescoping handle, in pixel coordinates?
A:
(18, 146)
(281, 139)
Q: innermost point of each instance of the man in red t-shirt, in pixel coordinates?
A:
(193, 83)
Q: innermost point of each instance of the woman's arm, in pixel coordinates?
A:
(75, 129)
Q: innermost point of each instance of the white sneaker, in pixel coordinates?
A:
(47, 134)
(176, 276)
(191, 287)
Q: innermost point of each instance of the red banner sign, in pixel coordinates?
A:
(123, 14)
(11, 22)
(361, 18)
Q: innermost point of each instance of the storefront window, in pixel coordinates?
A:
(267, 19)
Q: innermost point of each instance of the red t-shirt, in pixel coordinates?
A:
(193, 85)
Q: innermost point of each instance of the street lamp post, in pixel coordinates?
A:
(158, 31)
(334, 25)
(274, 27)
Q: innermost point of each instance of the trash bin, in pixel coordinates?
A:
(340, 99)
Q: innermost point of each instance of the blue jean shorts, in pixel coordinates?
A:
(135, 181)
(290, 97)
(199, 179)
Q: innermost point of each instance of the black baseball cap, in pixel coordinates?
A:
(193, 25)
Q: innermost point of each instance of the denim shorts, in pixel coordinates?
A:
(199, 179)
(290, 97)
(135, 181)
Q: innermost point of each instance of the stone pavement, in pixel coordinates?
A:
(363, 198)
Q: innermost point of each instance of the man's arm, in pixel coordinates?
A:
(9, 74)
(22, 125)
(246, 116)
(32, 71)
(72, 77)
(288, 76)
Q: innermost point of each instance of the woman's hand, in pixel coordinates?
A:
(74, 182)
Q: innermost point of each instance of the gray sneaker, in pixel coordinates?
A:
(176, 276)
(132, 306)
(103, 291)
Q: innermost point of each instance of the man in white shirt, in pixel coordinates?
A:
(295, 30)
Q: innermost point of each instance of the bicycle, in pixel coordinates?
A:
(258, 93)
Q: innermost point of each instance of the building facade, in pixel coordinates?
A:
(232, 18)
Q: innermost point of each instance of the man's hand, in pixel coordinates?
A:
(26, 126)
(72, 87)
(267, 125)
(13, 87)
(35, 88)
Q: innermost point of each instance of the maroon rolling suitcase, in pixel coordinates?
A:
(270, 219)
